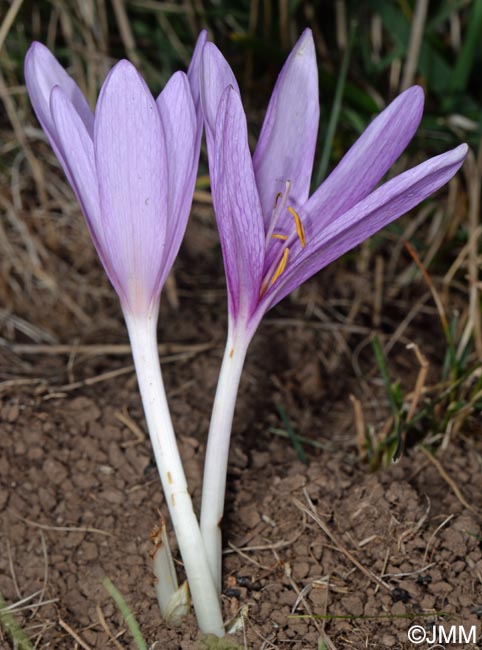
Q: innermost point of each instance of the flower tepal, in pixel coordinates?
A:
(263, 209)
(132, 167)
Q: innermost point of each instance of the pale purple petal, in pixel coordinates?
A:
(178, 117)
(42, 73)
(216, 76)
(130, 157)
(286, 145)
(369, 158)
(237, 207)
(381, 207)
(78, 160)
(194, 76)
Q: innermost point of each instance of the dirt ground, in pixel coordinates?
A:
(323, 555)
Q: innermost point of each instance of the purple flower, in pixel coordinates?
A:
(274, 236)
(132, 164)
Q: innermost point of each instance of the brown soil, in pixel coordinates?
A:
(374, 553)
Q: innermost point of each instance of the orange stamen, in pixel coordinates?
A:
(281, 266)
(300, 231)
(278, 236)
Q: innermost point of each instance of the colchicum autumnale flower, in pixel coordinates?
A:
(274, 236)
(133, 166)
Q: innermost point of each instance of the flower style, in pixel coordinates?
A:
(274, 236)
(132, 165)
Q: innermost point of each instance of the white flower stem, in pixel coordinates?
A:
(217, 452)
(142, 333)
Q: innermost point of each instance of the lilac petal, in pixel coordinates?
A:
(78, 158)
(194, 76)
(178, 117)
(237, 207)
(216, 76)
(286, 145)
(42, 73)
(381, 207)
(369, 158)
(130, 157)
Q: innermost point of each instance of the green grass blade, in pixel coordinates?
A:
(295, 440)
(470, 49)
(304, 439)
(126, 613)
(335, 110)
(12, 628)
(382, 366)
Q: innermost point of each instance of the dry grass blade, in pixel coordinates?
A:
(314, 515)
(453, 485)
(113, 350)
(415, 43)
(46, 572)
(12, 570)
(9, 20)
(15, 608)
(359, 426)
(126, 420)
(126, 32)
(57, 391)
(434, 534)
(12, 113)
(14, 383)
(378, 293)
(247, 558)
(18, 605)
(68, 529)
(106, 628)
(91, 381)
(428, 280)
(461, 257)
(474, 182)
(74, 635)
(421, 379)
(173, 38)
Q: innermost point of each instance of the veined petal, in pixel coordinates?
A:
(369, 158)
(381, 207)
(132, 172)
(286, 145)
(78, 160)
(178, 117)
(194, 76)
(42, 73)
(237, 207)
(216, 76)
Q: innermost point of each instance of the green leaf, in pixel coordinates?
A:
(126, 613)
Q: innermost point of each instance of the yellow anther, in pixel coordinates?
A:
(300, 231)
(281, 266)
(278, 236)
